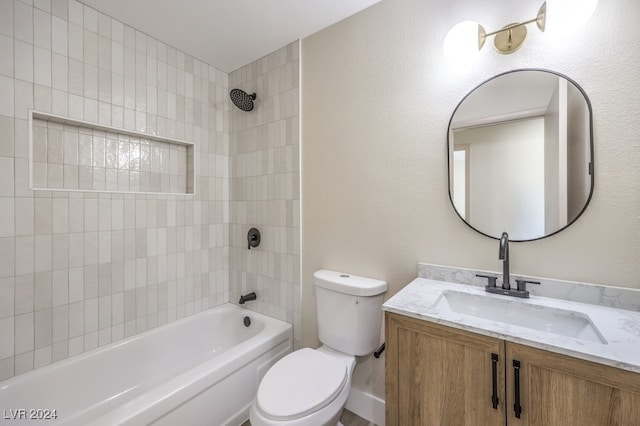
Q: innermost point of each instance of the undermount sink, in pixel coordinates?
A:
(520, 313)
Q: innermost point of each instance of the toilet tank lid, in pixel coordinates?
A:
(348, 284)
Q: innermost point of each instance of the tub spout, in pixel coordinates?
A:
(247, 298)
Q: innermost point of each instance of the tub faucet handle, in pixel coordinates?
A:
(253, 238)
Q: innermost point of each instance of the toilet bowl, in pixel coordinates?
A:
(310, 386)
(307, 387)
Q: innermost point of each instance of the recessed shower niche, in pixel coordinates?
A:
(73, 155)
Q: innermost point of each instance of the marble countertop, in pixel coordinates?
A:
(619, 328)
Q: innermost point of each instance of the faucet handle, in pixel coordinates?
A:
(522, 284)
(490, 278)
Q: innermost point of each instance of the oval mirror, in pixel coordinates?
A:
(521, 155)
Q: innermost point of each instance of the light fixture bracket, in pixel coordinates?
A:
(510, 38)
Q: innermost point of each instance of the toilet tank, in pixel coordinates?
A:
(349, 311)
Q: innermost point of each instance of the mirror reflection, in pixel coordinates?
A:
(521, 155)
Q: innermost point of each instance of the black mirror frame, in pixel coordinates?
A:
(591, 145)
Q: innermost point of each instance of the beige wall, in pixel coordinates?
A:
(377, 94)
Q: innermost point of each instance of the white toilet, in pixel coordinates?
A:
(310, 386)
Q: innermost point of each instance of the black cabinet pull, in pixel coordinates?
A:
(516, 378)
(494, 373)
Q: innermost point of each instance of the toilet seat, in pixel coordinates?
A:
(301, 383)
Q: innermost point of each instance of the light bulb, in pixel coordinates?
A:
(463, 40)
(566, 16)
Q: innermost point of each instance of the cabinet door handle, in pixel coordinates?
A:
(516, 378)
(494, 374)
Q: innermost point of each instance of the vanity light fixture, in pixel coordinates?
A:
(469, 37)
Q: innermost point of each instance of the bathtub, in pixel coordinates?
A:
(201, 370)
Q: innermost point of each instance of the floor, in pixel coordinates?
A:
(348, 419)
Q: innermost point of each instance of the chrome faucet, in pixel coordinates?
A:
(503, 254)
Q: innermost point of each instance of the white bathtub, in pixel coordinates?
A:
(201, 370)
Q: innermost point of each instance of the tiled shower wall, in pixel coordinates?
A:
(265, 181)
(83, 269)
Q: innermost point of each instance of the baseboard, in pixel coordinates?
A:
(366, 405)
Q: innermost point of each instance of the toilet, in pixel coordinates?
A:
(310, 386)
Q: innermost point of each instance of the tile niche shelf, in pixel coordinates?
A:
(73, 155)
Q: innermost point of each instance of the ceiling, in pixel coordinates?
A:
(229, 34)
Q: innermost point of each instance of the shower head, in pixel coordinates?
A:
(242, 99)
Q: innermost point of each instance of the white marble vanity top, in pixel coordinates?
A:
(618, 329)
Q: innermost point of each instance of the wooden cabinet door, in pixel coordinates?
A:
(560, 390)
(437, 375)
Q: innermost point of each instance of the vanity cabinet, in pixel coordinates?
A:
(439, 375)
(561, 390)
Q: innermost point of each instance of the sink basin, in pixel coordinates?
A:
(520, 313)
